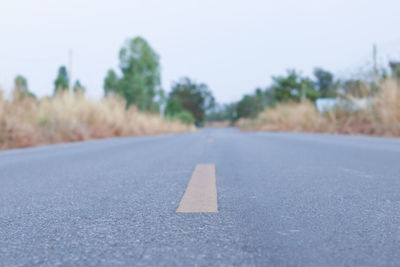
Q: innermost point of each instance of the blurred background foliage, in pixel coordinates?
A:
(138, 83)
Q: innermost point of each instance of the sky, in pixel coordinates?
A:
(233, 46)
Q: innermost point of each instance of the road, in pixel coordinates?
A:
(283, 200)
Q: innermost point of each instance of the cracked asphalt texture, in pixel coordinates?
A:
(284, 200)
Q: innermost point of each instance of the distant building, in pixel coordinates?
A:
(327, 104)
(394, 65)
(395, 68)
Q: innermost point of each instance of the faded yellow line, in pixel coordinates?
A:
(201, 192)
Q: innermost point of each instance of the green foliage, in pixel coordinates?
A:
(21, 87)
(324, 83)
(78, 87)
(21, 83)
(161, 100)
(293, 87)
(353, 87)
(195, 98)
(286, 88)
(251, 105)
(184, 116)
(175, 111)
(174, 106)
(140, 80)
(225, 112)
(396, 72)
(308, 86)
(111, 83)
(248, 107)
(62, 81)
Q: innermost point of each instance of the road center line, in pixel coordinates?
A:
(201, 192)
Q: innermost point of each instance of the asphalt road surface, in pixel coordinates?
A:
(283, 200)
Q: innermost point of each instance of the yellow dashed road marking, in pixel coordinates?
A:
(201, 192)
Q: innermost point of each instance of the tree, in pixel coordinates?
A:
(354, 88)
(396, 72)
(78, 87)
(173, 107)
(308, 89)
(62, 81)
(226, 112)
(161, 100)
(175, 111)
(185, 117)
(21, 84)
(250, 105)
(140, 81)
(111, 83)
(245, 107)
(324, 83)
(195, 98)
(292, 87)
(140, 67)
(21, 88)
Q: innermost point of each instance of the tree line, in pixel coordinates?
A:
(139, 84)
(294, 87)
(61, 83)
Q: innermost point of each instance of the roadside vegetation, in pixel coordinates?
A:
(68, 117)
(381, 116)
(369, 105)
(140, 85)
(134, 104)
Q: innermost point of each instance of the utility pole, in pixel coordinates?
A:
(303, 93)
(70, 80)
(374, 56)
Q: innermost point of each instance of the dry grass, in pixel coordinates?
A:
(67, 117)
(217, 124)
(285, 117)
(381, 117)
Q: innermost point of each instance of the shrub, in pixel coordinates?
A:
(380, 117)
(185, 117)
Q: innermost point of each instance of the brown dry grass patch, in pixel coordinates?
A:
(72, 117)
(380, 117)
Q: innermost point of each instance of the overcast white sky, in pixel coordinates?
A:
(233, 46)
